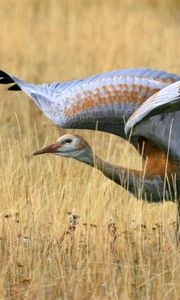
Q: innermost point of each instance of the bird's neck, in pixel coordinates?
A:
(135, 181)
(116, 173)
(85, 157)
(143, 186)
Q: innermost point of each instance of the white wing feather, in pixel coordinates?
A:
(166, 100)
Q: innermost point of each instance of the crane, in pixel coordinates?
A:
(161, 178)
(105, 102)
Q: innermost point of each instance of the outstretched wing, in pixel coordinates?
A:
(103, 101)
(158, 119)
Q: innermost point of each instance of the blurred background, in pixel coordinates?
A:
(56, 40)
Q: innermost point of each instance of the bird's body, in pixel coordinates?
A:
(105, 102)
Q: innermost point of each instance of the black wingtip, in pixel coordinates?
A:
(4, 74)
(14, 87)
(6, 80)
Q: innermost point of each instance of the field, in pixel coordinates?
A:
(66, 231)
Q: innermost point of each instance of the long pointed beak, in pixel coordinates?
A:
(49, 149)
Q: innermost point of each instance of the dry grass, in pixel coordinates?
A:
(118, 247)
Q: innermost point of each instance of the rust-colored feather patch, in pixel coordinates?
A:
(157, 162)
(107, 95)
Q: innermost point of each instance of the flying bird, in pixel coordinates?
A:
(105, 102)
(159, 178)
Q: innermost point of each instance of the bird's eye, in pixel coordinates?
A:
(68, 141)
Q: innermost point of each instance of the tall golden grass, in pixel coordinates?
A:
(67, 232)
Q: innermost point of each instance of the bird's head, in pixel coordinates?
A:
(70, 145)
